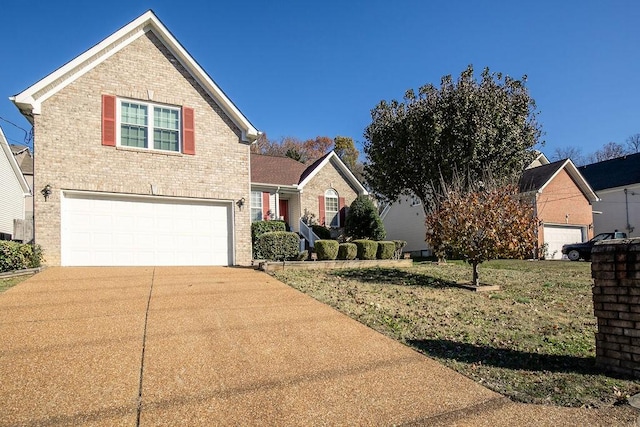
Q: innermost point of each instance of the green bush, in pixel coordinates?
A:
(19, 256)
(363, 221)
(277, 246)
(367, 249)
(386, 250)
(347, 251)
(326, 249)
(321, 231)
(303, 256)
(258, 228)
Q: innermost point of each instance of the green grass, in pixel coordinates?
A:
(533, 340)
(8, 283)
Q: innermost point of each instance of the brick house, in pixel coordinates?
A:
(145, 157)
(282, 188)
(562, 203)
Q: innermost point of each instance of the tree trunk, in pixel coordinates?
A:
(475, 281)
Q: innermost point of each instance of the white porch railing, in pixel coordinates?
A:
(308, 233)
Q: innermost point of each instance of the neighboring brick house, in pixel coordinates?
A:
(563, 204)
(146, 158)
(617, 182)
(282, 188)
(13, 191)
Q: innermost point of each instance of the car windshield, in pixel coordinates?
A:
(601, 236)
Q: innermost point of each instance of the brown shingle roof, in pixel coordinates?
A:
(275, 170)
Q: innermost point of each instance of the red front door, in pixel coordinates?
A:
(283, 208)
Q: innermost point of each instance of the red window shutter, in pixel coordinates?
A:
(188, 131)
(265, 205)
(343, 210)
(109, 120)
(321, 210)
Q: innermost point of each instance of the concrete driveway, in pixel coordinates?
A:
(223, 346)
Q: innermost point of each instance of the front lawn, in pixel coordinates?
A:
(8, 283)
(533, 340)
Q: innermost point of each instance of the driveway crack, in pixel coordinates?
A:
(144, 341)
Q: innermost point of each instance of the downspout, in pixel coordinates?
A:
(626, 205)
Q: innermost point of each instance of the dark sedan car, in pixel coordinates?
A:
(575, 251)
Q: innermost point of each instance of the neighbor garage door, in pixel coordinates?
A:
(122, 231)
(556, 236)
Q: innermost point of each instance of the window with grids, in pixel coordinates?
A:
(256, 206)
(331, 208)
(150, 126)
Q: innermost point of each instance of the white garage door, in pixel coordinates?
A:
(124, 231)
(556, 236)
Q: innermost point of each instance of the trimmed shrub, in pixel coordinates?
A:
(258, 228)
(326, 249)
(363, 221)
(347, 251)
(367, 249)
(386, 250)
(399, 245)
(322, 232)
(277, 246)
(19, 256)
(303, 256)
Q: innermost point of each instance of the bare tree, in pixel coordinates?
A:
(633, 143)
(610, 150)
(573, 153)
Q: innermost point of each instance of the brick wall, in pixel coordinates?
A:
(562, 202)
(69, 154)
(328, 177)
(616, 298)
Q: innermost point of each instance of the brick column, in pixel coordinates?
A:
(615, 270)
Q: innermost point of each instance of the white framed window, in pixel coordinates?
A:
(149, 126)
(331, 208)
(256, 206)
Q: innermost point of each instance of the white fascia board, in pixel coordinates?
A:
(332, 155)
(26, 191)
(255, 186)
(148, 21)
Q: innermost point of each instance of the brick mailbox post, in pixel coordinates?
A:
(615, 270)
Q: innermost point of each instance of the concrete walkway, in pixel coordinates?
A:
(223, 346)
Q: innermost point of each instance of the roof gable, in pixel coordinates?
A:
(613, 173)
(30, 100)
(14, 164)
(324, 160)
(537, 178)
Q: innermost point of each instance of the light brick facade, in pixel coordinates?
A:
(69, 154)
(329, 177)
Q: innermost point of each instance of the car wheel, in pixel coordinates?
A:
(573, 255)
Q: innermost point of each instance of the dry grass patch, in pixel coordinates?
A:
(533, 340)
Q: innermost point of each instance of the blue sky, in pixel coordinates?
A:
(304, 69)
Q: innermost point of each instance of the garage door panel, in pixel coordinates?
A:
(142, 231)
(556, 236)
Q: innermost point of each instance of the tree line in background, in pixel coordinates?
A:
(310, 150)
(610, 150)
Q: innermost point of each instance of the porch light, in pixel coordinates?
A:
(46, 192)
(240, 203)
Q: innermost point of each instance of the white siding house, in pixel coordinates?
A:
(13, 190)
